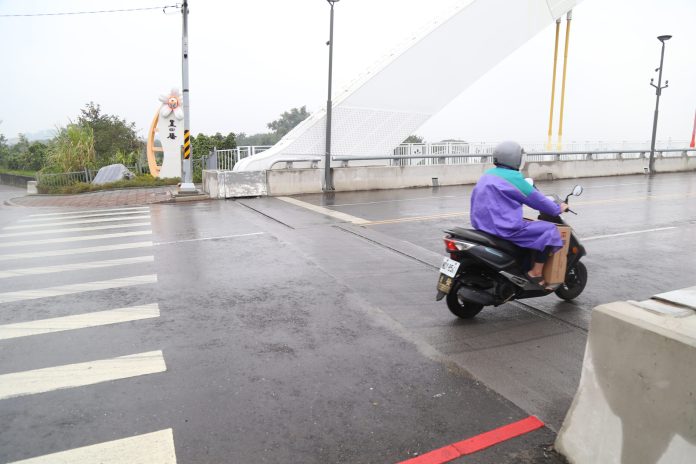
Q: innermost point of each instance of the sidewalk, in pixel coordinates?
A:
(123, 197)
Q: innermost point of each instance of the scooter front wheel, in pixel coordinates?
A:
(574, 284)
(462, 309)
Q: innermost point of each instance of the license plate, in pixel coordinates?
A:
(444, 284)
(448, 271)
(449, 267)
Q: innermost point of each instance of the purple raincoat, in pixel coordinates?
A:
(496, 208)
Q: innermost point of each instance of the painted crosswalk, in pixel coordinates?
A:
(150, 448)
(90, 211)
(74, 239)
(80, 221)
(80, 374)
(78, 321)
(74, 251)
(73, 229)
(91, 265)
(79, 230)
(62, 290)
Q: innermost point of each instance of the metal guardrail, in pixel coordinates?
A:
(531, 157)
(65, 178)
(314, 160)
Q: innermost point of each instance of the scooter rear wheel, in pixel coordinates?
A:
(574, 284)
(462, 309)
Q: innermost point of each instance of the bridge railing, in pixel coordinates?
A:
(546, 156)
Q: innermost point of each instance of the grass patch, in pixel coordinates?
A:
(143, 180)
(16, 172)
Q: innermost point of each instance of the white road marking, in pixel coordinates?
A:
(82, 221)
(325, 211)
(80, 374)
(78, 321)
(73, 239)
(61, 290)
(75, 251)
(209, 238)
(597, 237)
(74, 229)
(83, 216)
(418, 218)
(86, 211)
(156, 447)
(75, 266)
(396, 200)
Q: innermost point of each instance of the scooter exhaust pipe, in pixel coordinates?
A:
(475, 296)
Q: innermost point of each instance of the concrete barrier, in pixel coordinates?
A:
(228, 184)
(636, 402)
(279, 182)
(32, 188)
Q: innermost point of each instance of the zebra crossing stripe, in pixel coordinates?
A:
(86, 211)
(75, 251)
(81, 238)
(80, 374)
(78, 321)
(22, 295)
(74, 229)
(83, 221)
(75, 266)
(156, 447)
(82, 216)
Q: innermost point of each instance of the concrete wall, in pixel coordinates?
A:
(279, 182)
(15, 181)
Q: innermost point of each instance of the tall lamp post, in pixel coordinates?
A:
(658, 92)
(328, 182)
(186, 186)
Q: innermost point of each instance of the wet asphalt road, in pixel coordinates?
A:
(291, 336)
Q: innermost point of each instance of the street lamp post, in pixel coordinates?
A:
(328, 182)
(658, 92)
(186, 186)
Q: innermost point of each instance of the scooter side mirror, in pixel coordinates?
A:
(577, 191)
(530, 181)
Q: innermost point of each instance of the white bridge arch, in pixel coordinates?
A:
(372, 116)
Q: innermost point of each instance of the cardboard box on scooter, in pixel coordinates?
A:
(555, 267)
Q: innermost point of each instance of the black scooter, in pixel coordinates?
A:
(485, 270)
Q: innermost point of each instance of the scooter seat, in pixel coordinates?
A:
(487, 239)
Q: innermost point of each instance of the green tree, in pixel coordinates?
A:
(73, 149)
(111, 134)
(203, 144)
(264, 138)
(287, 121)
(413, 139)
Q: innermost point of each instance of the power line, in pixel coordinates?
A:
(90, 12)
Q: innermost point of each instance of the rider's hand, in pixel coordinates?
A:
(564, 207)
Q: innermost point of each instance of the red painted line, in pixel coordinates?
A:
(477, 443)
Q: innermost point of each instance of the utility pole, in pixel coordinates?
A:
(186, 186)
(658, 92)
(328, 181)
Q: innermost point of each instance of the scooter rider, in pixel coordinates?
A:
(496, 208)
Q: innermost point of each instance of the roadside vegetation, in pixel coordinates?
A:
(96, 139)
(142, 180)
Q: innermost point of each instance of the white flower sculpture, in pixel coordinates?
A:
(172, 103)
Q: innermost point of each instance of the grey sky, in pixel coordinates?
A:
(251, 60)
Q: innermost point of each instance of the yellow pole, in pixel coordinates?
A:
(565, 64)
(553, 85)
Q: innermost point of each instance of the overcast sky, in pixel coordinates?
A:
(250, 60)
